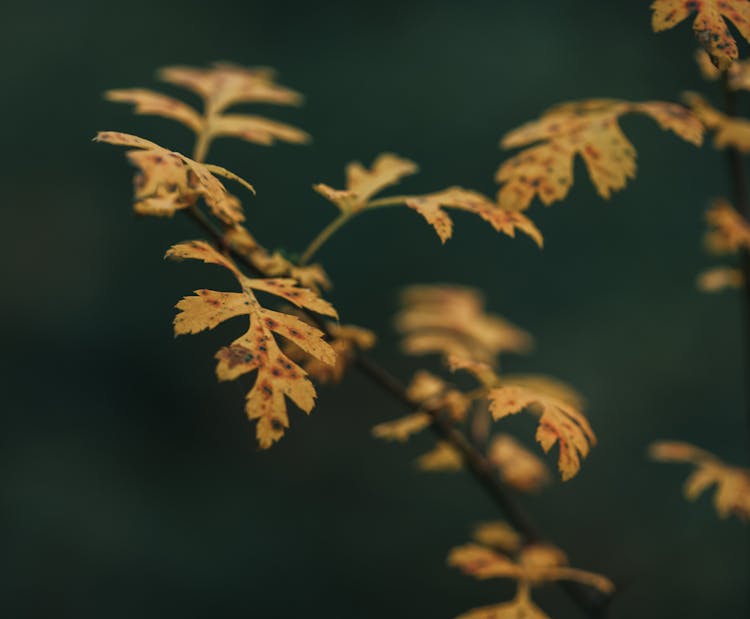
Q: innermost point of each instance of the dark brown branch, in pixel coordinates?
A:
(593, 603)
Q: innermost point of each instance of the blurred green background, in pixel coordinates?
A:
(131, 482)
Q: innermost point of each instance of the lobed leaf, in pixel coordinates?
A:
(278, 377)
(708, 27)
(729, 131)
(587, 128)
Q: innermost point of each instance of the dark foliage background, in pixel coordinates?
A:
(131, 483)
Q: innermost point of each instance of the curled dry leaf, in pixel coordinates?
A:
(278, 377)
(156, 104)
(444, 457)
(709, 26)
(518, 467)
(431, 392)
(728, 231)
(729, 131)
(732, 483)
(738, 74)
(718, 279)
(169, 181)
(587, 128)
(448, 319)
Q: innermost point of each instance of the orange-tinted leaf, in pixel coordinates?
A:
(732, 483)
(720, 278)
(738, 73)
(452, 320)
(482, 562)
(729, 232)
(431, 207)
(498, 534)
(257, 130)
(225, 84)
(169, 181)
(362, 183)
(444, 457)
(587, 128)
(278, 377)
(402, 428)
(518, 467)
(154, 103)
(517, 608)
(729, 131)
(559, 423)
(709, 27)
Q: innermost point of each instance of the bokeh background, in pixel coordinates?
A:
(131, 482)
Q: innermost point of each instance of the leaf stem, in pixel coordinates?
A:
(325, 234)
(343, 217)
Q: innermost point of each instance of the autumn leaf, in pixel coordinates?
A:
(729, 131)
(431, 207)
(156, 104)
(169, 181)
(498, 535)
(278, 377)
(559, 423)
(345, 340)
(388, 169)
(709, 27)
(720, 278)
(729, 231)
(221, 87)
(531, 565)
(587, 128)
(732, 483)
(738, 74)
(518, 467)
(428, 391)
(226, 84)
(443, 457)
(449, 319)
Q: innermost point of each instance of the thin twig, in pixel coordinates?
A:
(593, 603)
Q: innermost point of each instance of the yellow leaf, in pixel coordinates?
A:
(729, 131)
(499, 535)
(517, 608)
(559, 423)
(738, 74)
(709, 27)
(720, 278)
(448, 320)
(157, 104)
(257, 129)
(729, 231)
(169, 181)
(482, 562)
(278, 377)
(361, 183)
(428, 390)
(225, 84)
(518, 467)
(431, 206)
(402, 428)
(345, 340)
(587, 128)
(732, 483)
(443, 457)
